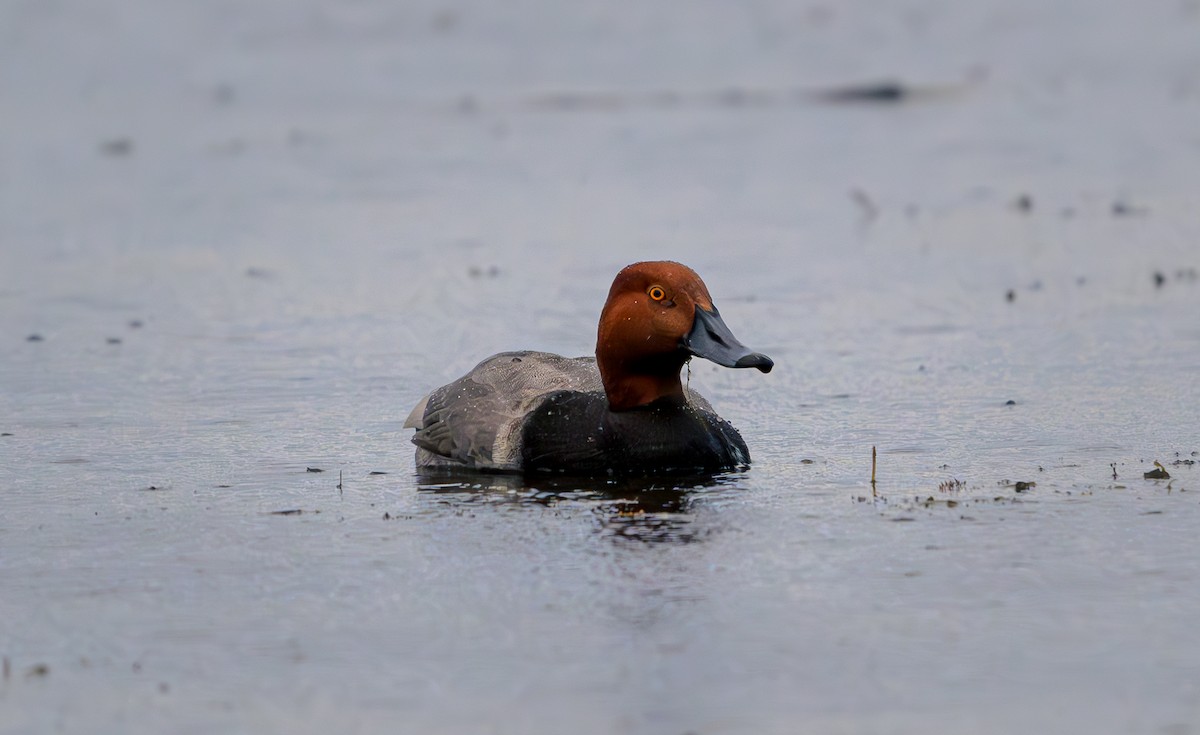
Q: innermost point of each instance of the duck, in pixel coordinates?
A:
(624, 411)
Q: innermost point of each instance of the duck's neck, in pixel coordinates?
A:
(630, 384)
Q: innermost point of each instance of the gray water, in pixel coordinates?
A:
(249, 237)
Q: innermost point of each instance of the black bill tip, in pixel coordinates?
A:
(755, 360)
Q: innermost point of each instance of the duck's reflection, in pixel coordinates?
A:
(644, 509)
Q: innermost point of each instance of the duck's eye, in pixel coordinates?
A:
(657, 293)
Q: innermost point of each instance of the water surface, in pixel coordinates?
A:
(249, 239)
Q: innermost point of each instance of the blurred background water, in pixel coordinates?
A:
(240, 241)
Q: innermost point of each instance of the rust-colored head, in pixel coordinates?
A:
(657, 316)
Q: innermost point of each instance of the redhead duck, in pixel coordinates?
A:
(623, 412)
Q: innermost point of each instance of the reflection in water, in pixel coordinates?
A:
(647, 509)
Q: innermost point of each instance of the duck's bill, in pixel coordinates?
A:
(712, 339)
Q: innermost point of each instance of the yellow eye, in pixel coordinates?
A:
(657, 293)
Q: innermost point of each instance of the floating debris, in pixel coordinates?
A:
(1158, 473)
(887, 91)
(35, 338)
(37, 671)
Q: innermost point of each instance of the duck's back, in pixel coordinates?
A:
(536, 411)
(476, 421)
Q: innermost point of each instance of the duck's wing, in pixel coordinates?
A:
(476, 421)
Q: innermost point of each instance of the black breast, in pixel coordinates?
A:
(573, 432)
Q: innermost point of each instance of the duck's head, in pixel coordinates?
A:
(658, 315)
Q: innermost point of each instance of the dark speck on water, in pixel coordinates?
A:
(313, 469)
(34, 338)
(117, 147)
(224, 94)
(37, 671)
(477, 271)
(1123, 209)
(879, 92)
